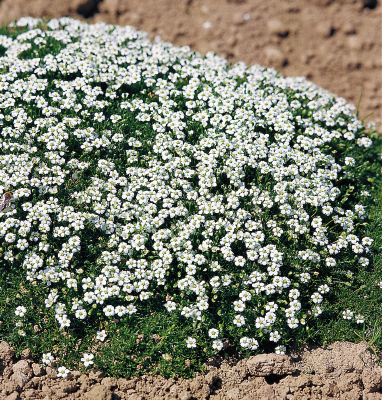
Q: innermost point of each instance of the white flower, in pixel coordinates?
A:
(245, 296)
(239, 306)
(316, 297)
(294, 294)
(363, 261)
(99, 117)
(170, 305)
(101, 335)
(131, 309)
(239, 261)
(120, 311)
(349, 161)
(359, 319)
(166, 357)
(244, 342)
(330, 262)
(10, 237)
(274, 336)
(323, 289)
(293, 322)
(316, 311)
(115, 118)
(239, 320)
(254, 344)
(109, 310)
(280, 349)
(365, 142)
(20, 311)
(87, 359)
(213, 333)
(191, 342)
(217, 344)
(47, 358)
(226, 280)
(62, 372)
(366, 241)
(347, 314)
(357, 248)
(81, 314)
(349, 135)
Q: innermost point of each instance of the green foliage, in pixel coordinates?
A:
(121, 136)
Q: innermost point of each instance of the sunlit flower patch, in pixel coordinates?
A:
(143, 173)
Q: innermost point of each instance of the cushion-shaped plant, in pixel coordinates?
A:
(148, 181)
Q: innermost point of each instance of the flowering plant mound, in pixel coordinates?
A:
(147, 180)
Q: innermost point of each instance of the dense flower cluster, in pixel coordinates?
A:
(171, 171)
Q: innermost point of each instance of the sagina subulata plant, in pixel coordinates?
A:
(166, 206)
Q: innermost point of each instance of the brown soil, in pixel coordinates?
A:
(341, 371)
(334, 43)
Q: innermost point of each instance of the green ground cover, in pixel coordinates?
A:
(167, 206)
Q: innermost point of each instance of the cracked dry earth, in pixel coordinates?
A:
(342, 370)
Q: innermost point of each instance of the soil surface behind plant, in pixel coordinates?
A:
(341, 371)
(334, 43)
(337, 45)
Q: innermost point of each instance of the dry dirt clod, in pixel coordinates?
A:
(26, 354)
(68, 387)
(13, 396)
(270, 364)
(238, 18)
(325, 29)
(96, 375)
(37, 371)
(274, 56)
(349, 28)
(6, 353)
(335, 371)
(19, 379)
(51, 372)
(23, 367)
(110, 383)
(99, 392)
(372, 379)
(277, 27)
(355, 43)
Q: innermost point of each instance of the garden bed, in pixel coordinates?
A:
(162, 211)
